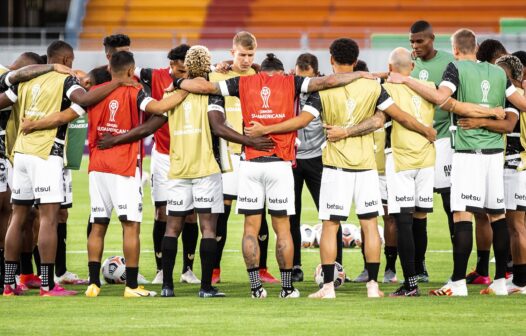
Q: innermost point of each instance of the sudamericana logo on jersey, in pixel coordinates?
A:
(114, 107)
(266, 111)
(485, 86)
(423, 75)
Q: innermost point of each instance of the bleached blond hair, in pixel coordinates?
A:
(198, 61)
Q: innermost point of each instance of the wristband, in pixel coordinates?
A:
(177, 82)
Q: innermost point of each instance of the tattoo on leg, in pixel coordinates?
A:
(250, 251)
(281, 246)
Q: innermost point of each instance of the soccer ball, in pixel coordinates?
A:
(339, 275)
(317, 230)
(347, 235)
(357, 236)
(114, 270)
(307, 235)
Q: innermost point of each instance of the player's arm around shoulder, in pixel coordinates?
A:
(53, 120)
(169, 102)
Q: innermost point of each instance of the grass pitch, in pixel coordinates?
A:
(350, 313)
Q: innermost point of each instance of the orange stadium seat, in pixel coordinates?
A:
(280, 23)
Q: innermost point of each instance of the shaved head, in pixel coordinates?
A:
(400, 61)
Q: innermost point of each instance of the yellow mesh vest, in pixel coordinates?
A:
(191, 151)
(38, 98)
(347, 106)
(233, 114)
(410, 149)
(522, 121)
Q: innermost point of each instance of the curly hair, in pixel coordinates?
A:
(489, 50)
(197, 61)
(513, 64)
(344, 51)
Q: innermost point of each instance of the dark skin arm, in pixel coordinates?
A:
(499, 126)
(4, 101)
(142, 131)
(32, 71)
(96, 95)
(220, 129)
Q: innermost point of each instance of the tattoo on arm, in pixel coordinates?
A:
(367, 126)
(29, 72)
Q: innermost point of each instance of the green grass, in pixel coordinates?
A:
(350, 313)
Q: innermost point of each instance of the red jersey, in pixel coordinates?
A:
(161, 79)
(118, 113)
(269, 100)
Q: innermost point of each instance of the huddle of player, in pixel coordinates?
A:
(435, 121)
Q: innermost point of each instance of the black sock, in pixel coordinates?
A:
(169, 251)
(159, 228)
(263, 242)
(446, 204)
(328, 273)
(88, 228)
(296, 239)
(462, 245)
(26, 263)
(253, 276)
(339, 246)
(131, 277)
(372, 270)
(501, 246)
(36, 258)
(482, 262)
(519, 275)
(2, 268)
(391, 252)
(362, 250)
(286, 279)
(10, 272)
(420, 240)
(60, 259)
(94, 273)
(221, 233)
(207, 252)
(189, 237)
(406, 245)
(47, 275)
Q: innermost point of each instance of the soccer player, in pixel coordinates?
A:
(195, 182)
(480, 189)
(410, 171)
(308, 162)
(429, 66)
(155, 81)
(266, 177)
(243, 51)
(115, 43)
(489, 50)
(521, 55)
(347, 106)
(514, 174)
(38, 162)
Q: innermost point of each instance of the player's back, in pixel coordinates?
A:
(116, 114)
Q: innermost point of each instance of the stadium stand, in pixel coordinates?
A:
(162, 23)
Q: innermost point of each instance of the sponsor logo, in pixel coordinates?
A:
(43, 189)
(139, 208)
(334, 207)
(425, 199)
(204, 199)
(265, 96)
(447, 170)
(469, 197)
(500, 200)
(15, 191)
(278, 200)
(520, 197)
(262, 237)
(159, 254)
(485, 87)
(370, 204)
(174, 202)
(423, 75)
(2, 166)
(190, 256)
(187, 108)
(97, 209)
(248, 199)
(404, 198)
(351, 106)
(218, 238)
(122, 206)
(417, 103)
(114, 107)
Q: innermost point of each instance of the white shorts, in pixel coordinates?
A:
(230, 180)
(409, 191)
(515, 189)
(203, 194)
(37, 181)
(444, 157)
(266, 182)
(382, 179)
(68, 187)
(110, 191)
(159, 167)
(340, 188)
(6, 175)
(477, 183)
